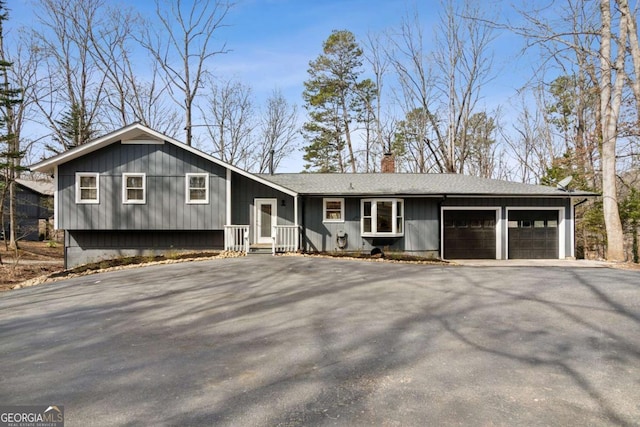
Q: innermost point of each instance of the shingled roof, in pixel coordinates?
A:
(391, 184)
(42, 187)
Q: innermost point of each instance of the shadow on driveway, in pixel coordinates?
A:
(312, 341)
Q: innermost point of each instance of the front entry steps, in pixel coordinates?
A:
(260, 249)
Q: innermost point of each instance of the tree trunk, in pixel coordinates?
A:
(13, 224)
(634, 46)
(347, 133)
(610, 100)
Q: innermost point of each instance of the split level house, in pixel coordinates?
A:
(137, 191)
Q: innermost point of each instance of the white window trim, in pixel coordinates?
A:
(324, 209)
(206, 189)
(80, 175)
(126, 201)
(374, 218)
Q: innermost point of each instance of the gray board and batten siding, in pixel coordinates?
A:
(243, 196)
(165, 222)
(422, 223)
(165, 166)
(421, 230)
(510, 203)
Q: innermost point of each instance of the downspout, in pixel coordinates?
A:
(226, 236)
(56, 199)
(573, 214)
(303, 246)
(441, 231)
(296, 222)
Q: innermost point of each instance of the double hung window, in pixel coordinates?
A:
(333, 210)
(197, 188)
(134, 188)
(87, 187)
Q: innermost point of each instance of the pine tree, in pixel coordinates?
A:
(9, 140)
(331, 95)
(74, 130)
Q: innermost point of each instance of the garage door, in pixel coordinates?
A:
(533, 234)
(469, 234)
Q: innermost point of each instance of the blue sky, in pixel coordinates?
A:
(272, 41)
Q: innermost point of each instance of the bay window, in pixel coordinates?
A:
(382, 217)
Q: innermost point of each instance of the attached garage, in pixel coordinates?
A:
(469, 234)
(533, 234)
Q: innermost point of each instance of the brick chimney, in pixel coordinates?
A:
(388, 163)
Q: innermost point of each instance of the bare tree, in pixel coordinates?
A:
(579, 40)
(228, 116)
(379, 62)
(24, 73)
(279, 130)
(532, 143)
(634, 46)
(447, 98)
(408, 56)
(131, 97)
(71, 82)
(183, 44)
(465, 63)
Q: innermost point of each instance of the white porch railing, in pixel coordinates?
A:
(285, 238)
(236, 238)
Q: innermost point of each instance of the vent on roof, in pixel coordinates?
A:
(144, 141)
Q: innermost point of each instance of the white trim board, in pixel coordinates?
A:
(134, 131)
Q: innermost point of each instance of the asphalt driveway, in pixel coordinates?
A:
(264, 340)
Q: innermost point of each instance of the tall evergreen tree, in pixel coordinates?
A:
(73, 130)
(9, 138)
(331, 95)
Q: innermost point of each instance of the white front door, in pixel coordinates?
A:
(265, 218)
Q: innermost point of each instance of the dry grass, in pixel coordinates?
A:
(34, 259)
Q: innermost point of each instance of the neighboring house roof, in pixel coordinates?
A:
(137, 132)
(44, 188)
(378, 184)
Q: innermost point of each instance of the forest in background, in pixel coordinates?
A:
(87, 67)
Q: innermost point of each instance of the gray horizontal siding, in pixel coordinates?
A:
(165, 166)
